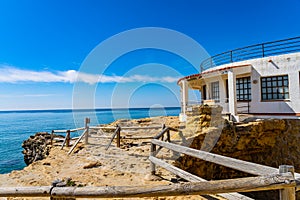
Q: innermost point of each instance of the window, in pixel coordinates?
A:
(215, 90)
(275, 88)
(204, 92)
(227, 91)
(243, 89)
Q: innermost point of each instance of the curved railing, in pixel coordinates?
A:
(254, 51)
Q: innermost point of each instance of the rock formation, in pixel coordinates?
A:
(36, 147)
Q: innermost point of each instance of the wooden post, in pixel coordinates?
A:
(87, 121)
(52, 136)
(73, 147)
(68, 137)
(288, 193)
(118, 136)
(168, 136)
(152, 153)
(162, 128)
(113, 137)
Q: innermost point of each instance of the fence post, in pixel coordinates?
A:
(168, 136)
(119, 136)
(68, 137)
(52, 136)
(288, 193)
(87, 121)
(152, 153)
(162, 128)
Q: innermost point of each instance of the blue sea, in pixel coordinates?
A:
(17, 126)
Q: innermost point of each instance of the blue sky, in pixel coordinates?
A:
(43, 45)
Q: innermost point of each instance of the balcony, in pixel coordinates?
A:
(277, 47)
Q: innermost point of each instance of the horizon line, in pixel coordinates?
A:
(84, 109)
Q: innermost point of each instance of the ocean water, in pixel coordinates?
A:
(17, 126)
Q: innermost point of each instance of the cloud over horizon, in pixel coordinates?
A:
(9, 74)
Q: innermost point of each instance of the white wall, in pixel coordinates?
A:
(281, 65)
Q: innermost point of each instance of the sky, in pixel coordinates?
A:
(61, 54)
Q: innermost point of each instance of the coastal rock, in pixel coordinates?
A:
(92, 165)
(36, 147)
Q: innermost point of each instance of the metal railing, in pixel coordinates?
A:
(253, 51)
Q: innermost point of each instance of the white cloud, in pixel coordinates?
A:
(14, 75)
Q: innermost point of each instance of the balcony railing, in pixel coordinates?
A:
(254, 51)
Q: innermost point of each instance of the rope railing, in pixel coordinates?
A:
(277, 47)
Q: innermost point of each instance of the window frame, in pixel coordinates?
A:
(215, 90)
(243, 92)
(275, 88)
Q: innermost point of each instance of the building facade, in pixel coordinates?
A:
(266, 86)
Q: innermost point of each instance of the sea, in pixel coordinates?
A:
(17, 126)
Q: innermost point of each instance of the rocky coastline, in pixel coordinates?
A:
(36, 147)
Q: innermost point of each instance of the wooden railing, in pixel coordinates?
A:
(285, 179)
(261, 183)
(286, 191)
(116, 135)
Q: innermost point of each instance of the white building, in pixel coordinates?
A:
(266, 86)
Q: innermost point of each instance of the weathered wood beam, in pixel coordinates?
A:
(273, 182)
(140, 127)
(161, 133)
(80, 138)
(103, 127)
(192, 178)
(174, 129)
(179, 172)
(37, 191)
(233, 163)
(113, 137)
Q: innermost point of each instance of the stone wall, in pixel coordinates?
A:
(271, 142)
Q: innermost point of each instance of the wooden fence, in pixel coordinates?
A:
(116, 135)
(285, 179)
(287, 192)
